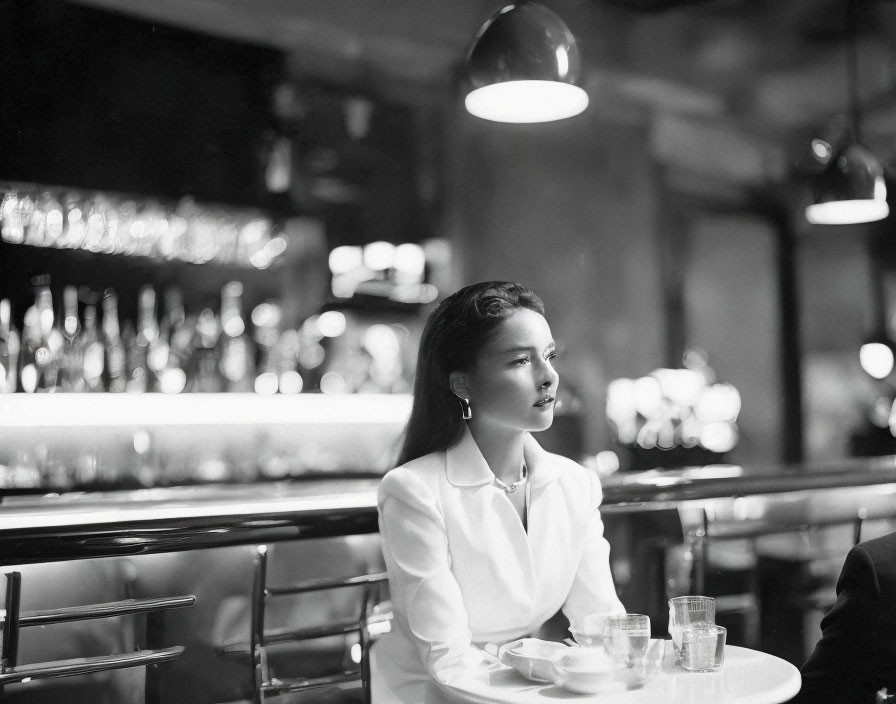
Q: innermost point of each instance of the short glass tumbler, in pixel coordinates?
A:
(686, 611)
(626, 637)
(703, 648)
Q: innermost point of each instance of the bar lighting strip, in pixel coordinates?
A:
(117, 410)
(58, 517)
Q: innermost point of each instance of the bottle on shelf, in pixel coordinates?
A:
(115, 367)
(205, 375)
(176, 337)
(92, 351)
(144, 352)
(41, 342)
(10, 345)
(71, 376)
(237, 353)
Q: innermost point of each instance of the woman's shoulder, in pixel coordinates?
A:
(574, 476)
(412, 477)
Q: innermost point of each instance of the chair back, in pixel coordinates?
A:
(149, 656)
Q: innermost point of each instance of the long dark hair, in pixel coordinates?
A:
(454, 334)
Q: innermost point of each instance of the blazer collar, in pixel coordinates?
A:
(465, 465)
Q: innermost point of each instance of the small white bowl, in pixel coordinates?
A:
(583, 671)
(533, 658)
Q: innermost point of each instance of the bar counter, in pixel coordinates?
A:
(86, 525)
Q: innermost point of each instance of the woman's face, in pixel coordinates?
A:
(513, 383)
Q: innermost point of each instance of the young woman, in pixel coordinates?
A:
(485, 535)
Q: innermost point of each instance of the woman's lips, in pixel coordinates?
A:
(545, 402)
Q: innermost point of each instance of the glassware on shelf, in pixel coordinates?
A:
(12, 224)
(115, 223)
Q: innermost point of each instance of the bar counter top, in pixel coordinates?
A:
(80, 525)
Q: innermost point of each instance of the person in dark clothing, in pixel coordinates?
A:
(856, 656)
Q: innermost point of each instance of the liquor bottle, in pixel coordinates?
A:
(115, 367)
(71, 377)
(41, 342)
(206, 378)
(135, 360)
(92, 351)
(152, 347)
(176, 336)
(142, 351)
(9, 349)
(237, 353)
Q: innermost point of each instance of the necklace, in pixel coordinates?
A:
(510, 488)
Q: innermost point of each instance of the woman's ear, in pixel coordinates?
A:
(457, 381)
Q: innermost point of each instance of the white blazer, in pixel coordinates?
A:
(463, 571)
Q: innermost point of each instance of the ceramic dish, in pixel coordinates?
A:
(533, 658)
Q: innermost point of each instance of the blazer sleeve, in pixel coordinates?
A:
(846, 663)
(592, 589)
(419, 565)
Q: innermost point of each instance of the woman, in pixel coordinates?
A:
(485, 535)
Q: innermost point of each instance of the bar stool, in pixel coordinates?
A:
(149, 657)
(350, 683)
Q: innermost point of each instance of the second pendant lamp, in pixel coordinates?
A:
(523, 66)
(851, 189)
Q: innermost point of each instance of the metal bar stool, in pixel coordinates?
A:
(349, 685)
(15, 620)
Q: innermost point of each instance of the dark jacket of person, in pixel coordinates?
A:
(856, 655)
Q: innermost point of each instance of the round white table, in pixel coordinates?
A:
(747, 677)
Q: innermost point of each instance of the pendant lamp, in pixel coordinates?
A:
(851, 189)
(523, 66)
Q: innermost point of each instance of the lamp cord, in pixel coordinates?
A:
(852, 69)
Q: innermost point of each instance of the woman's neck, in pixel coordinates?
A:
(503, 451)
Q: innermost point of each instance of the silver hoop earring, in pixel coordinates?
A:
(466, 409)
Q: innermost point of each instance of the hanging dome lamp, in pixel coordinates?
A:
(851, 188)
(523, 66)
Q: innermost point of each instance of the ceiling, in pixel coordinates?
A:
(767, 70)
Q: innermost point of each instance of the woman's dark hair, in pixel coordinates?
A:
(454, 334)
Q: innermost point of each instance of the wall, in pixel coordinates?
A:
(567, 208)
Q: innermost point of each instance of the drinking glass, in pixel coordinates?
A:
(685, 611)
(703, 648)
(588, 631)
(626, 637)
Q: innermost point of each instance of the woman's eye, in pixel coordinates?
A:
(552, 356)
(520, 362)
